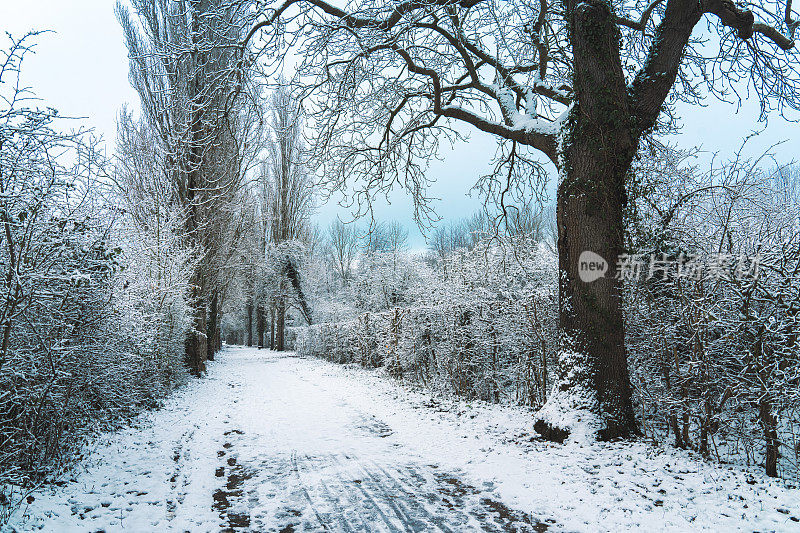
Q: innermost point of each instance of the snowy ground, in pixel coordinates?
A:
(272, 442)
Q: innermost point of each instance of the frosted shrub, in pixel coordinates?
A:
(482, 328)
(84, 327)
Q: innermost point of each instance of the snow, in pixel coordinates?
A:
(529, 122)
(270, 440)
(570, 405)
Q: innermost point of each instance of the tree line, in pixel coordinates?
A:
(119, 270)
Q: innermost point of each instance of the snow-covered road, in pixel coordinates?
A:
(267, 442)
(274, 442)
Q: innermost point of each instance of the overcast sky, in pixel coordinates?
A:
(82, 70)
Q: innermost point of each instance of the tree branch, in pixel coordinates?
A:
(545, 142)
(641, 24)
(743, 21)
(652, 84)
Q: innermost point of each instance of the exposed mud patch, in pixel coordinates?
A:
(228, 500)
(373, 426)
(511, 519)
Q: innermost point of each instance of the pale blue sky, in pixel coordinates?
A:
(82, 70)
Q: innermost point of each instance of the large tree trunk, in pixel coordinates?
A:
(213, 326)
(593, 394)
(195, 345)
(195, 349)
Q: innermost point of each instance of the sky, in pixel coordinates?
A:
(81, 69)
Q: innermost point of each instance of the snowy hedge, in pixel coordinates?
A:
(460, 350)
(91, 316)
(485, 331)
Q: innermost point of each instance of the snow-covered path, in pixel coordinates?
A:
(267, 442)
(273, 442)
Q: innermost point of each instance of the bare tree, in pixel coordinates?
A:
(343, 240)
(288, 197)
(580, 83)
(375, 239)
(396, 237)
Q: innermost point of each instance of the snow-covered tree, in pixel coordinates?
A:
(186, 70)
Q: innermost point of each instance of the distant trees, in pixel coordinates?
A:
(384, 273)
(252, 267)
(481, 322)
(343, 240)
(384, 237)
(284, 199)
(458, 236)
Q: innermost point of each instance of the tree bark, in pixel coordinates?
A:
(218, 332)
(213, 326)
(280, 325)
(218, 338)
(769, 424)
(249, 323)
(195, 345)
(272, 327)
(598, 148)
(195, 349)
(260, 325)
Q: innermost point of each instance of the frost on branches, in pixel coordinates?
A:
(86, 308)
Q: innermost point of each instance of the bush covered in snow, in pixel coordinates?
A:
(484, 330)
(713, 353)
(85, 311)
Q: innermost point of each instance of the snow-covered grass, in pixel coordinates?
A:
(278, 438)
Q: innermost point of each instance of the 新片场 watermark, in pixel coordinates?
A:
(631, 267)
